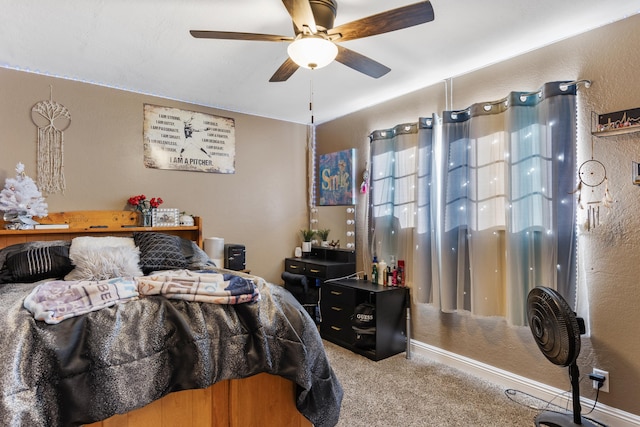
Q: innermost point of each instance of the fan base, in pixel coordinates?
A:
(556, 419)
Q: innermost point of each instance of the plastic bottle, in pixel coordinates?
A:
(400, 279)
(374, 270)
(393, 273)
(382, 271)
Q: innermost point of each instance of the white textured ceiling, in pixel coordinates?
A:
(145, 46)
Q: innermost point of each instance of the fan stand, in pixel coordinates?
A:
(557, 330)
(558, 419)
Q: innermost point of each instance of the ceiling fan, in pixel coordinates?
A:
(314, 43)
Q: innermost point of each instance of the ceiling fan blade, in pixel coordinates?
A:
(301, 14)
(285, 71)
(229, 35)
(358, 62)
(391, 20)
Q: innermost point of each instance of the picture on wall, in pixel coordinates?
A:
(187, 140)
(336, 178)
(619, 120)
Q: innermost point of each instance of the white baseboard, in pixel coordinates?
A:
(602, 413)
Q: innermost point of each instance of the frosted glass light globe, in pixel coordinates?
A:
(312, 52)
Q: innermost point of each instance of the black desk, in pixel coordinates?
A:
(323, 263)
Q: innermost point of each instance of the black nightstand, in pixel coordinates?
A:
(338, 302)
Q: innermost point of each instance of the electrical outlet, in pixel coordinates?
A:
(605, 385)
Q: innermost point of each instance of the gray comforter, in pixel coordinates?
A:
(116, 359)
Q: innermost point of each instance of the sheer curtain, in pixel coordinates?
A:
(490, 191)
(392, 213)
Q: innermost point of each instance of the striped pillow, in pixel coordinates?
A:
(32, 265)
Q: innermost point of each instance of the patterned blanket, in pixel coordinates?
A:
(58, 300)
(204, 286)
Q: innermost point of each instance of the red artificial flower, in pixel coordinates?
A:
(155, 202)
(141, 203)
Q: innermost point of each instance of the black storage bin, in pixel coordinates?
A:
(363, 323)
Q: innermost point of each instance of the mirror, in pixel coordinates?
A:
(341, 221)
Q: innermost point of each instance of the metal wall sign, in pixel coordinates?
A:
(187, 140)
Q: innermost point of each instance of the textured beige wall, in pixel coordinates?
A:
(262, 205)
(608, 261)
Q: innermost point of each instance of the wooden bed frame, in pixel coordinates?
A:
(263, 399)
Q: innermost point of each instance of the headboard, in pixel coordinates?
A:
(94, 223)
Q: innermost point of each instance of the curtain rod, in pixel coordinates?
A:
(563, 87)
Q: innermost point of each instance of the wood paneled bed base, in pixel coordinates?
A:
(260, 400)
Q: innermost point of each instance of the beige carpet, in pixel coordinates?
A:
(419, 392)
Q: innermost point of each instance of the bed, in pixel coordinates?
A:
(152, 359)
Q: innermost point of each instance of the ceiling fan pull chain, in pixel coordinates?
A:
(311, 98)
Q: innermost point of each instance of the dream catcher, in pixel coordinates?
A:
(52, 119)
(593, 184)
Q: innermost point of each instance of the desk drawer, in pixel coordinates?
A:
(316, 270)
(294, 266)
(337, 308)
(339, 332)
(337, 324)
(338, 295)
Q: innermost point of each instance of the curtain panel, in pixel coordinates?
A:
(392, 213)
(481, 202)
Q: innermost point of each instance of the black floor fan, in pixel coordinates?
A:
(557, 330)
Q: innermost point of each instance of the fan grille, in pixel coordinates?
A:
(554, 326)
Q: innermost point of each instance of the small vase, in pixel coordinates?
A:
(306, 247)
(146, 218)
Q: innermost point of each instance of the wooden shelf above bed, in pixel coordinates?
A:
(94, 223)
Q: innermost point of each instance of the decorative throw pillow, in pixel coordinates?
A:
(97, 258)
(5, 273)
(104, 263)
(32, 265)
(21, 247)
(79, 244)
(197, 259)
(159, 251)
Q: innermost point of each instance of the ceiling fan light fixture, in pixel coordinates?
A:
(312, 52)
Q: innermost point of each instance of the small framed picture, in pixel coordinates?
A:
(635, 173)
(165, 217)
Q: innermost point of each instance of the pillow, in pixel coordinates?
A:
(101, 263)
(108, 262)
(83, 243)
(6, 275)
(6, 252)
(32, 265)
(159, 251)
(197, 259)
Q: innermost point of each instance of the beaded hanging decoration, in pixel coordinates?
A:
(52, 119)
(364, 187)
